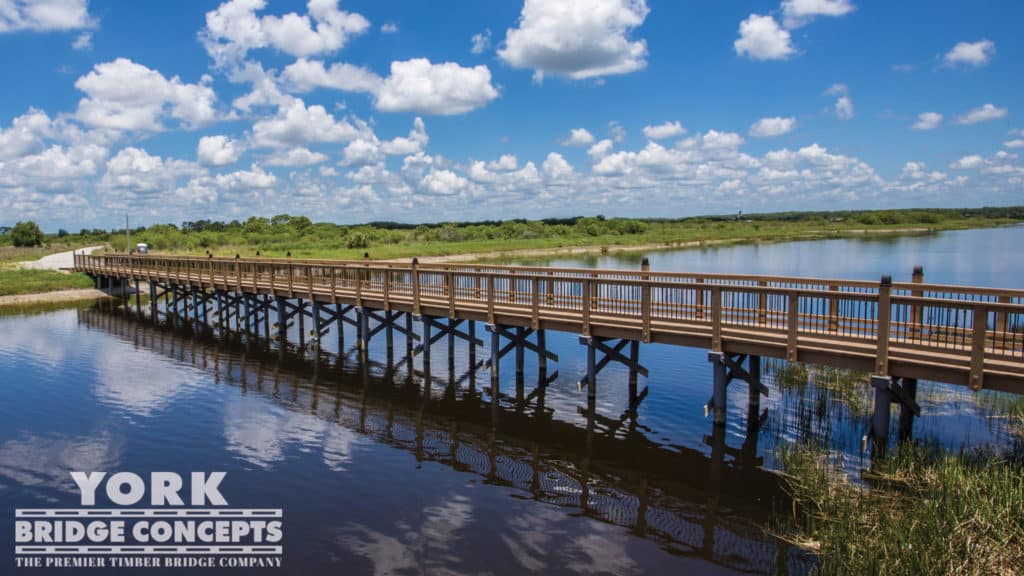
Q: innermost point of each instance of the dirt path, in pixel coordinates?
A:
(58, 261)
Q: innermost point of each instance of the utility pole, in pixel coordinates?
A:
(128, 235)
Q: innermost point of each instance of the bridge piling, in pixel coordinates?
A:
(907, 411)
(728, 367)
(882, 414)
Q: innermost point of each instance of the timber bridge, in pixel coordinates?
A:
(899, 332)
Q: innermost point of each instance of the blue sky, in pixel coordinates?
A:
(430, 111)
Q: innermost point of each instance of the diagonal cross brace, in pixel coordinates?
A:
(904, 398)
(389, 319)
(736, 370)
(513, 338)
(444, 329)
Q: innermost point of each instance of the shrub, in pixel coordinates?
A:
(26, 234)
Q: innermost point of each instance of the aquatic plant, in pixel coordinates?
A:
(924, 511)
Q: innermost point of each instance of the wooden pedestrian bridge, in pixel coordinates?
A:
(897, 331)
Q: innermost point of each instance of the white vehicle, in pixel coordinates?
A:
(142, 248)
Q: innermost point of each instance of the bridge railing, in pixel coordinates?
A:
(965, 323)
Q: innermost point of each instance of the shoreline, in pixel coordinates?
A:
(677, 245)
(69, 295)
(83, 294)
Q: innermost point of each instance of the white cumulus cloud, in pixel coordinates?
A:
(124, 95)
(982, 114)
(761, 38)
(234, 28)
(296, 125)
(579, 137)
(43, 15)
(447, 88)
(927, 121)
(971, 53)
(797, 13)
(218, 150)
(305, 75)
(481, 41)
(772, 127)
(968, 162)
(662, 131)
(577, 38)
(298, 156)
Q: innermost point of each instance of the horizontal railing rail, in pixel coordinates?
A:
(976, 328)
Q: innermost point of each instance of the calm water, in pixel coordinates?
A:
(382, 469)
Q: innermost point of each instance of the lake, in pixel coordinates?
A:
(381, 468)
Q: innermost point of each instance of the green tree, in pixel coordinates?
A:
(62, 233)
(26, 234)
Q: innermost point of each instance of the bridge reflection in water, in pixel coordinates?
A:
(712, 507)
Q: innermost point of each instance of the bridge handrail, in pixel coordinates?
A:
(633, 275)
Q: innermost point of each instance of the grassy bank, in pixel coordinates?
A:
(922, 512)
(12, 254)
(14, 281)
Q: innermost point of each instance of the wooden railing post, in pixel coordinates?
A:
(416, 286)
(978, 335)
(698, 299)
(587, 288)
(793, 326)
(716, 318)
(238, 273)
(1003, 320)
(833, 308)
(387, 289)
(915, 309)
(490, 299)
(645, 300)
(535, 302)
(884, 313)
(450, 281)
(550, 288)
(291, 280)
(334, 285)
(762, 304)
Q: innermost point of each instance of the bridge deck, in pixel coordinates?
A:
(961, 335)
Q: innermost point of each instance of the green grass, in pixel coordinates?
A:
(328, 241)
(35, 281)
(922, 512)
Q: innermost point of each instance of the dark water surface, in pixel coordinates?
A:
(382, 469)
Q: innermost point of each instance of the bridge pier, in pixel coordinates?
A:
(888, 390)
(726, 368)
(610, 352)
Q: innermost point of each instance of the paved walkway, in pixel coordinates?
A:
(59, 260)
